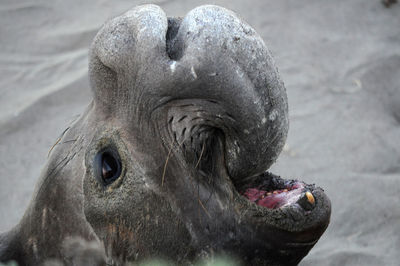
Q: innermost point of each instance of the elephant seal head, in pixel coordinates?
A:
(190, 113)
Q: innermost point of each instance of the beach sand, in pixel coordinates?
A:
(340, 61)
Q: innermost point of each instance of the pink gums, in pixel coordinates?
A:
(274, 199)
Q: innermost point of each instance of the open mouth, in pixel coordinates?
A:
(271, 191)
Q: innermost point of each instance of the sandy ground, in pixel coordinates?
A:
(340, 61)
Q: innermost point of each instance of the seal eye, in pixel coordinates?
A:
(107, 166)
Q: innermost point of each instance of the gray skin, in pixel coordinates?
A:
(194, 110)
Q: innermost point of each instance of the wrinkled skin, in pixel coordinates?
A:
(194, 111)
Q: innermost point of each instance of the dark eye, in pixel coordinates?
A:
(107, 166)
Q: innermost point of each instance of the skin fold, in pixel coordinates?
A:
(186, 112)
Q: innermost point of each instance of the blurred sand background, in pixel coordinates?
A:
(340, 61)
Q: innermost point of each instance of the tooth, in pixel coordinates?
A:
(307, 201)
(275, 192)
(285, 190)
(310, 197)
(269, 194)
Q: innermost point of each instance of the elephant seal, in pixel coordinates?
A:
(170, 158)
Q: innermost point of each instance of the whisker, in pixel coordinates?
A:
(52, 147)
(166, 161)
(201, 155)
(204, 208)
(165, 165)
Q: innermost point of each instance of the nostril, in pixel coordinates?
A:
(174, 48)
